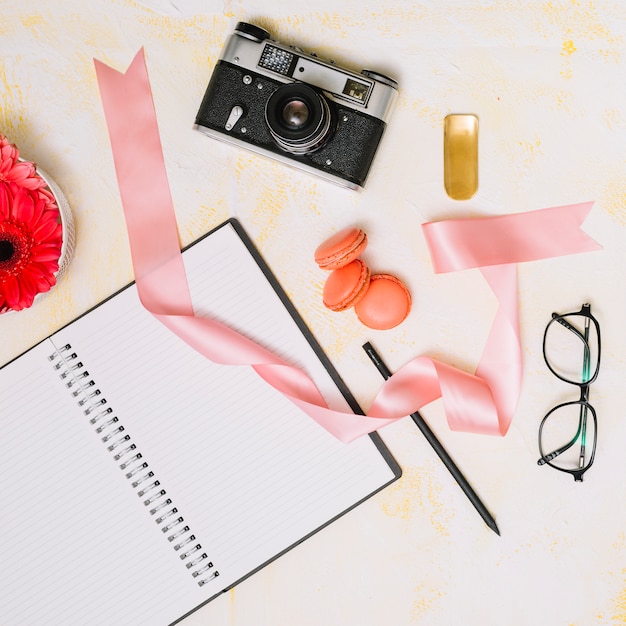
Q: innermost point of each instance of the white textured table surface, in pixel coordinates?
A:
(547, 81)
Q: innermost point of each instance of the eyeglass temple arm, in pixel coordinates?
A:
(561, 320)
(552, 455)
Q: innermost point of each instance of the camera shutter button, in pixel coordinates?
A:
(233, 118)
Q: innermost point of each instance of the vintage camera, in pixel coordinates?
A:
(278, 101)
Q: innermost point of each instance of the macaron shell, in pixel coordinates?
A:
(346, 286)
(386, 303)
(341, 249)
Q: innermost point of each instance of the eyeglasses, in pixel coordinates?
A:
(568, 433)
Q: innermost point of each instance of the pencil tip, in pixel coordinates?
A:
(494, 527)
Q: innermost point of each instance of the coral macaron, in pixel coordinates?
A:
(386, 303)
(346, 286)
(341, 249)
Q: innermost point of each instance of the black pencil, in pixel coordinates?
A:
(437, 447)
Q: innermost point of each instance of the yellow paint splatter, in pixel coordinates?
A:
(12, 107)
(31, 21)
(568, 48)
(531, 150)
(618, 615)
(613, 118)
(613, 198)
(422, 109)
(417, 490)
(271, 198)
(427, 599)
(582, 19)
(202, 220)
(562, 99)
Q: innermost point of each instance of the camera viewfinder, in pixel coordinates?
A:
(356, 90)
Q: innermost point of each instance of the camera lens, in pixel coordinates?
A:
(295, 113)
(298, 118)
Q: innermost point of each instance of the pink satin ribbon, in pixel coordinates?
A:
(482, 403)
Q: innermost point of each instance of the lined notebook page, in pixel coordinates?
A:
(248, 474)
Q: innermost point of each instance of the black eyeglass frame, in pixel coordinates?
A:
(583, 402)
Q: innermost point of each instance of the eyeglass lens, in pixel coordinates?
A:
(568, 436)
(572, 348)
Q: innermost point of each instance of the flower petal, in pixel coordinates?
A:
(7, 158)
(11, 291)
(46, 194)
(23, 206)
(32, 183)
(48, 230)
(21, 171)
(43, 255)
(5, 201)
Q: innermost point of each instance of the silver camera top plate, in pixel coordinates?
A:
(287, 64)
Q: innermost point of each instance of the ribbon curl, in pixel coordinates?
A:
(481, 403)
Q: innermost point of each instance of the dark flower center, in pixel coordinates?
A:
(15, 249)
(7, 249)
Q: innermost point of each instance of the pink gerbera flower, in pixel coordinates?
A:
(13, 170)
(30, 234)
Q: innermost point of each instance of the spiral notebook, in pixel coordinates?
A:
(139, 480)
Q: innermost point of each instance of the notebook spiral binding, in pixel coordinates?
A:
(131, 461)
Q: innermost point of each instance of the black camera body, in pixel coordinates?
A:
(293, 107)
